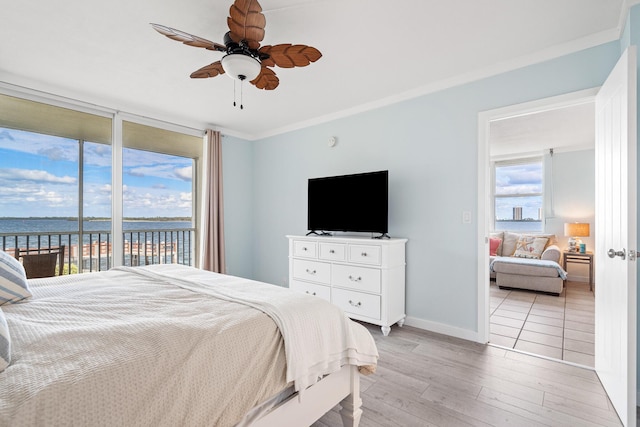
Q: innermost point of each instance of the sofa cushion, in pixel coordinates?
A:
(530, 247)
(494, 244)
(510, 241)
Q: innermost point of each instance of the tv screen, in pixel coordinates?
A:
(357, 202)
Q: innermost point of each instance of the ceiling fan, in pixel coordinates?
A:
(244, 58)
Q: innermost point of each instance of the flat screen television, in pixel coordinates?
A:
(357, 202)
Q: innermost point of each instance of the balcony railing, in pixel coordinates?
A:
(140, 247)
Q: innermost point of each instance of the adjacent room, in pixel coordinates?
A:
(319, 212)
(543, 171)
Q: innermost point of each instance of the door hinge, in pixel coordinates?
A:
(632, 255)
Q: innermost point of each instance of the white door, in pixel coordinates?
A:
(615, 237)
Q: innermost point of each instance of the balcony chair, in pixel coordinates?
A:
(41, 262)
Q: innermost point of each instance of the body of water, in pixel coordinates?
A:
(532, 226)
(26, 225)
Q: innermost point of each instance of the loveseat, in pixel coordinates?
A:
(526, 261)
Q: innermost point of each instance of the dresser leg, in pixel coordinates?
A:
(385, 330)
(401, 322)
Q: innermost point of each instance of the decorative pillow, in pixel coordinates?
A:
(498, 235)
(494, 244)
(5, 343)
(509, 243)
(13, 280)
(530, 247)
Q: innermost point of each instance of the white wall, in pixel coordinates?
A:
(429, 146)
(574, 201)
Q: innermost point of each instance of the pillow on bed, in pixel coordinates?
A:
(5, 343)
(13, 280)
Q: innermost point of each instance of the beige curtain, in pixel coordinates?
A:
(212, 242)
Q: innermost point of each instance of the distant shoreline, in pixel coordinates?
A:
(92, 219)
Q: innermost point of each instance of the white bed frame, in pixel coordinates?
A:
(303, 410)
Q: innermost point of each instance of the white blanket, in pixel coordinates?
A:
(318, 340)
(146, 346)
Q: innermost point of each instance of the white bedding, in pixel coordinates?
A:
(163, 345)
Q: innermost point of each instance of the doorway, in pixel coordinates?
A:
(559, 131)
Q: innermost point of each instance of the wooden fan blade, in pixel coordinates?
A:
(188, 39)
(289, 56)
(266, 80)
(210, 70)
(246, 22)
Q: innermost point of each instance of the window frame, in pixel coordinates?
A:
(66, 111)
(494, 196)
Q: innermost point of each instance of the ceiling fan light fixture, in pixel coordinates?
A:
(240, 66)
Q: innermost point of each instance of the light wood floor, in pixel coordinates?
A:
(427, 379)
(561, 327)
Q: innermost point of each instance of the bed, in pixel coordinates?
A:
(175, 345)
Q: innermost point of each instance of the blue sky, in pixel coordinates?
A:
(518, 179)
(39, 177)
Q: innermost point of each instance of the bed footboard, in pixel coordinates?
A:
(342, 387)
(351, 405)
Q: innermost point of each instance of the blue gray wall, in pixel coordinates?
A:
(237, 178)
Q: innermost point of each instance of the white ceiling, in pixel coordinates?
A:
(562, 129)
(374, 52)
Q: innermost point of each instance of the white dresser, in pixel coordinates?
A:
(363, 276)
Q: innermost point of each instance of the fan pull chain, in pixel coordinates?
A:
(234, 92)
(241, 84)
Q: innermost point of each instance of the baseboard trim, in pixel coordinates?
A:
(442, 328)
(574, 278)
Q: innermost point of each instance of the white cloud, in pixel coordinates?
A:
(5, 134)
(185, 173)
(35, 176)
(53, 147)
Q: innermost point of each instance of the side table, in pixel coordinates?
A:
(579, 258)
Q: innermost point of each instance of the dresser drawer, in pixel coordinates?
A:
(365, 254)
(357, 303)
(333, 251)
(305, 249)
(357, 278)
(321, 291)
(313, 271)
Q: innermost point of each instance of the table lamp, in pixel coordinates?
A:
(575, 230)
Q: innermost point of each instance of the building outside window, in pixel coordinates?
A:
(518, 195)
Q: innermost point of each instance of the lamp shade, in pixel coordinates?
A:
(240, 66)
(576, 229)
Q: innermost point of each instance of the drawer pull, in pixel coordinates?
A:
(331, 251)
(355, 279)
(363, 254)
(310, 271)
(304, 248)
(355, 305)
(312, 293)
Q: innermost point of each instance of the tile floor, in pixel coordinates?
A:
(560, 327)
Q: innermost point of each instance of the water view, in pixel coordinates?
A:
(146, 241)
